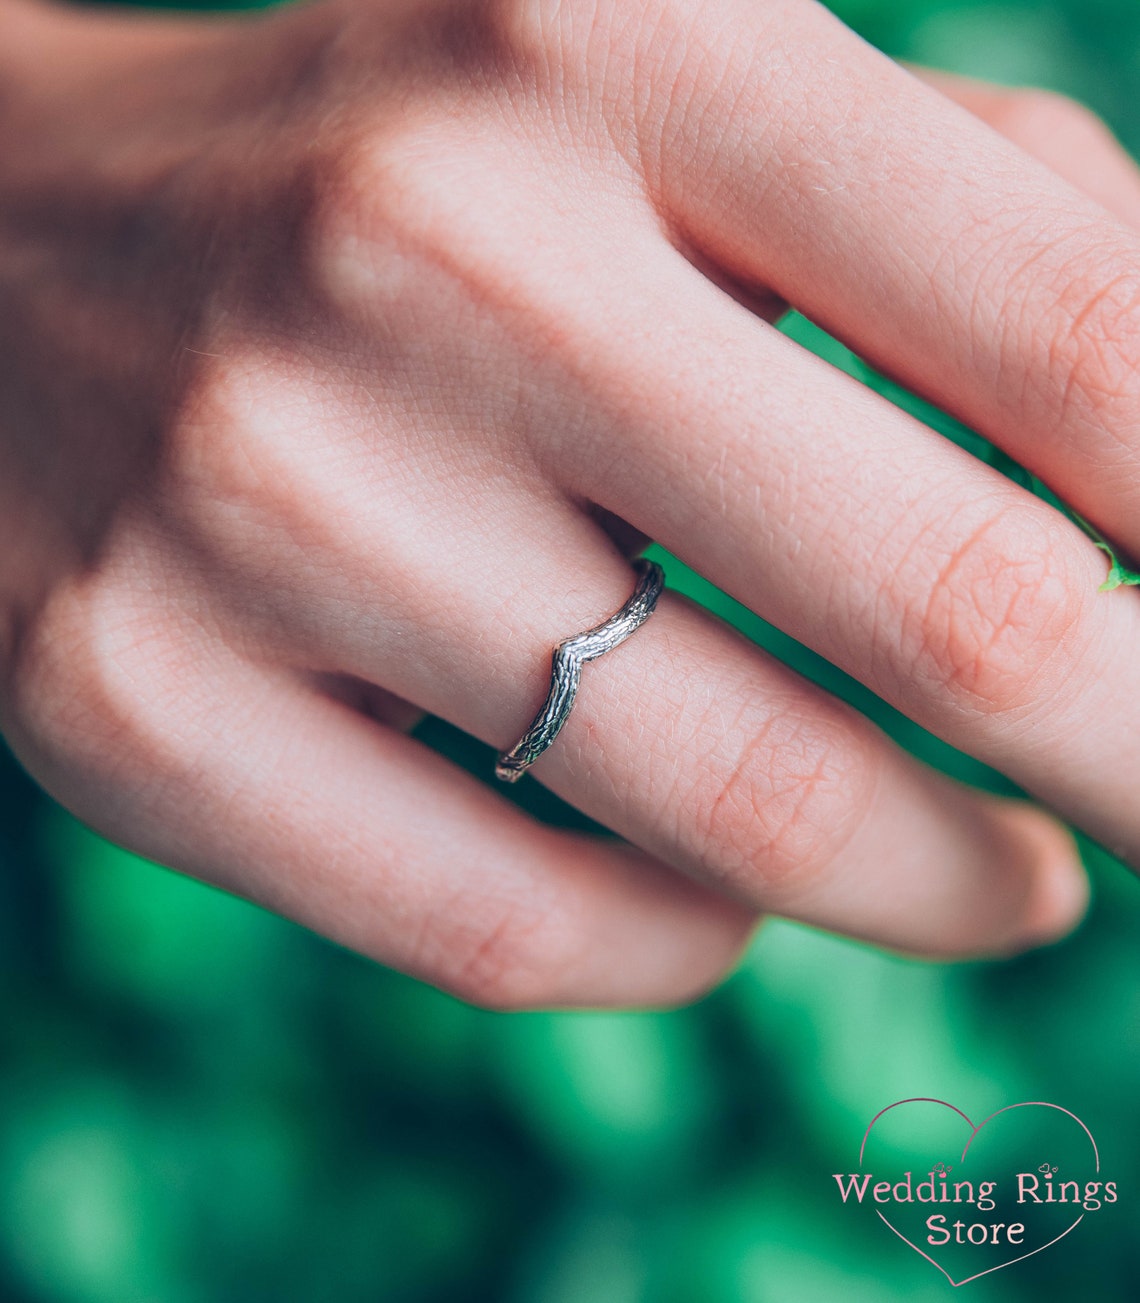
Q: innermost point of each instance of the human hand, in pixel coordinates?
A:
(350, 349)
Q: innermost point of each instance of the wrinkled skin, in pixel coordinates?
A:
(351, 350)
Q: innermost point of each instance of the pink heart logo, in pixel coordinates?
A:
(983, 1198)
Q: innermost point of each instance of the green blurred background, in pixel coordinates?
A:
(200, 1102)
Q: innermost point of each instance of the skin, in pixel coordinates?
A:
(350, 352)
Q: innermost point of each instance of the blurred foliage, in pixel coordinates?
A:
(200, 1102)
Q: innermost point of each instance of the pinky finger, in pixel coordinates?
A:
(274, 790)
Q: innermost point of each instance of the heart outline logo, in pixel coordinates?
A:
(974, 1130)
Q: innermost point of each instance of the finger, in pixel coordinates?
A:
(723, 762)
(1060, 132)
(908, 228)
(962, 599)
(255, 781)
(706, 753)
(716, 759)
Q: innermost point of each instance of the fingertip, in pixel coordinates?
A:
(1028, 885)
(1038, 853)
(1059, 896)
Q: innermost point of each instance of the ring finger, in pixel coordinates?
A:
(687, 740)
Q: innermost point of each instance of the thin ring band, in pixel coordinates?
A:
(566, 670)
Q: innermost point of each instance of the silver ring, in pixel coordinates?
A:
(566, 670)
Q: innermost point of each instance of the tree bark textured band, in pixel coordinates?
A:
(566, 670)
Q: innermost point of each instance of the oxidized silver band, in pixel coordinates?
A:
(566, 670)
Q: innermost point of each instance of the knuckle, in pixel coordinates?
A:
(770, 816)
(505, 956)
(1002, 615)
(380, 177)
(543, 36)
(218, 460)
(409, 215)
(242, 481)
(1093, 343)
(408, 163)
(83, 691)
(362, 238)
